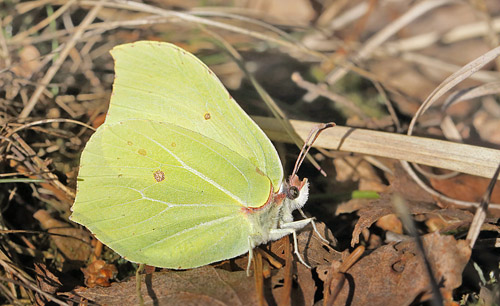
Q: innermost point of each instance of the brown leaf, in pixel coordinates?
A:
(391, 223)
(98, 273)
(46, 281)
(76, 246)
(149, 269)
(303, 289)
(53, 282)
(400, 183)
(447, 220)
(98, 121)
(306, 284)
(201, 286)
(486, 124)
(376, 209)
(355, 168)
(313, 249)
(395, 274)
(467, 188)
(403, 184)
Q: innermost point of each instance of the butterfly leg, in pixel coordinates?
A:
(314, 227)
(291, 228)
(296, 249)
(286, 231)
(250, 254)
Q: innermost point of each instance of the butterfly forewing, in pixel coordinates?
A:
(161, 82)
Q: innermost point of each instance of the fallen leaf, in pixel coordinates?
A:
(75, 246)
(201, 286)
(467, 188)
(447, 220)
(99, 273)
(403, 184)
(52, 281)
(313, 249)
(379, 208)
(395, 274)
(303, 288)
(355, 168)
(486, 124)
(391, 223)
(46, 281)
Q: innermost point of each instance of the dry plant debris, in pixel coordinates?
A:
(384, 71)
(203, 286)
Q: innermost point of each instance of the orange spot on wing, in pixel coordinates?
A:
(142, 152)
(159, 175)
(207, 116)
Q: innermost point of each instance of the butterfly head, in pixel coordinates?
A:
(296, 192)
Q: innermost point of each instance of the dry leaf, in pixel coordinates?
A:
(52, 282)
(303, 288)
(313, 249)
(379, 208)
(391, 223)
(466, 188)
(201, 286)
(99, 273)
(76, 246)
(355, 168)
(46, 281)
(446, 220)
(395, 274)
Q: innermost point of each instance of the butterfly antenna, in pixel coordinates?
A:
(311, 138)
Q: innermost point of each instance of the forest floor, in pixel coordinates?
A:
(413, 87)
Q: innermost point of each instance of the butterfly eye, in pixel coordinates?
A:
(292, 193)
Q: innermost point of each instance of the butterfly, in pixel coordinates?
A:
(179, 176)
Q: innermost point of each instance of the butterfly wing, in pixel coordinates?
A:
(160, 194)
(162, 82)
(167, 178)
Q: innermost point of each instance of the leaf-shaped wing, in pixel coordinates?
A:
(162, 82)
(165, 195)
